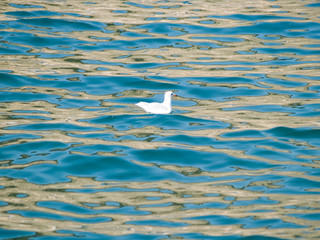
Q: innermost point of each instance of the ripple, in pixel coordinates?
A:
(45, 215)
(126, 122)
(236, 159)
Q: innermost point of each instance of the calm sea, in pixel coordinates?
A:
(238, 158)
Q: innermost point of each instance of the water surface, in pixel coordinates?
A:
(237, 158)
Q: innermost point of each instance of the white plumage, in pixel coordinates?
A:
(158, 108)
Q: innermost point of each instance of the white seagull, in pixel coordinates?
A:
(158, 108)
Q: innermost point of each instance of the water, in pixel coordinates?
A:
(237, 159)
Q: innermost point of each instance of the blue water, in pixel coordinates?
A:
(238, 158)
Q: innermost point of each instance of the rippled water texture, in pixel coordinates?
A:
(238, 158)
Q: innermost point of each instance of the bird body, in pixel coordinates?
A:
(158, 108)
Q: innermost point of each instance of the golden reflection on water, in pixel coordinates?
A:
(194, 14)
(169, 203)
(172, 205)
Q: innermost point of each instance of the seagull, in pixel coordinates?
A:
(158, 108)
